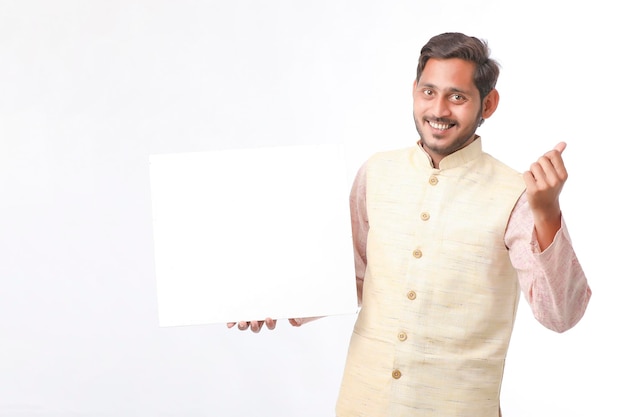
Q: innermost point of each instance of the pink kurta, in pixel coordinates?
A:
(552, 281)
(450, 348)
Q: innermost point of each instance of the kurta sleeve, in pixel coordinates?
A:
(552, 281)
(360, 227)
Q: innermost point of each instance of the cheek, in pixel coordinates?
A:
(418, 106)
(470, 115)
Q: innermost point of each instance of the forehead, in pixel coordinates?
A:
(449, 74)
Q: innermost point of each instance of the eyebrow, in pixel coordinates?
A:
(449, 90)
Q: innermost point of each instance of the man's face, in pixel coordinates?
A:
(446, 106)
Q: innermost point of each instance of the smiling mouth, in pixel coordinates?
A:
(440, 126)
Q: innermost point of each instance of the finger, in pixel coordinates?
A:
(559, 166)
(270, 324)
(560, 147)
(231, 324)
(529, 179)
(295, 322)
(243, 325)
(553, 167)
(256, 326)
(537, 174)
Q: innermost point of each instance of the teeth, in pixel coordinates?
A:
(439, 126)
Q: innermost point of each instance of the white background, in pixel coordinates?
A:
(88, 89)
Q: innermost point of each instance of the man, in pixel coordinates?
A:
(445, 236)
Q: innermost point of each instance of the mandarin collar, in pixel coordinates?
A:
(458, 158)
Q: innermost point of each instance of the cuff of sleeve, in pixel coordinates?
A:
(562, 235)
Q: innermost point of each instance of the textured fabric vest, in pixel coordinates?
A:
(440, 294)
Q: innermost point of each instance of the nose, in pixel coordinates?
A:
(441, 107)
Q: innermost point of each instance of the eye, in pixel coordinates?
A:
(428, 92)
(457, 98)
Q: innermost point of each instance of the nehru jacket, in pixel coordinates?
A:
(440, 294)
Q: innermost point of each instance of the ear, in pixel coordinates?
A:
(414, 90)
(490, 103)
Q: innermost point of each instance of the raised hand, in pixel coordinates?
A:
(544, 182)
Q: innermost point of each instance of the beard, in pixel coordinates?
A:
(431, 142)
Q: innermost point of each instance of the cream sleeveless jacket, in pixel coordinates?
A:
(440, 294)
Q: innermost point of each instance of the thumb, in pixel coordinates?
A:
(560, 147)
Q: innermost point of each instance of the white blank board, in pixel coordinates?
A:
(252, 233)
